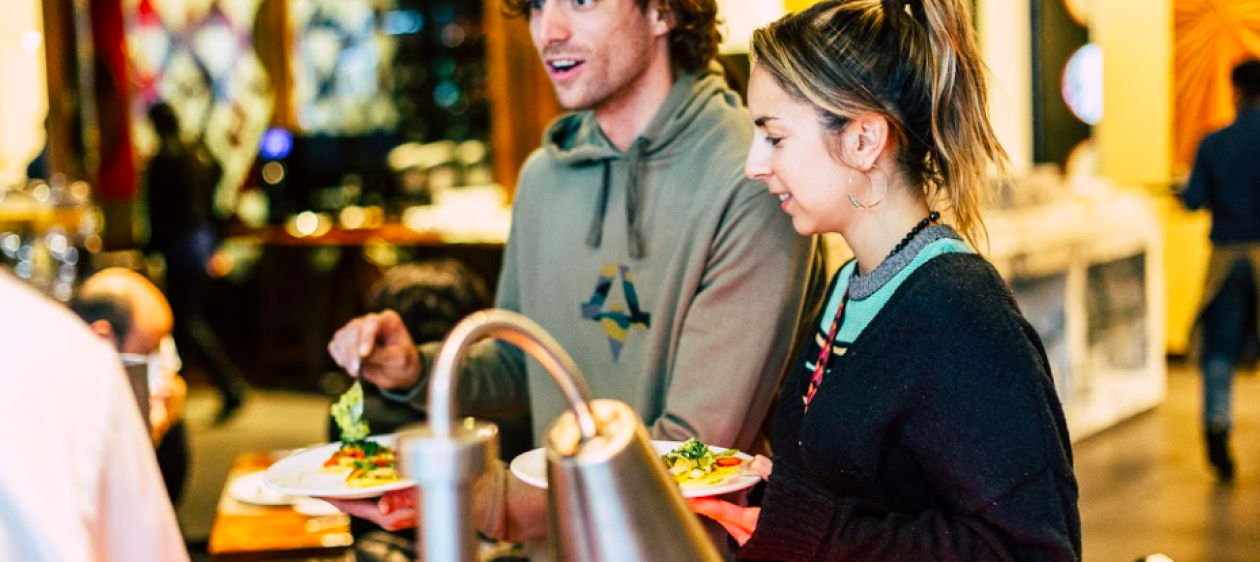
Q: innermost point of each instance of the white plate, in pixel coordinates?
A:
(249, 488)
(302, 474)
(312, 507)
(531, 468)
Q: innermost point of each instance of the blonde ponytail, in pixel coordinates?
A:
(917, 64)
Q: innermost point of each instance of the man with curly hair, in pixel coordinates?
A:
(637, 242)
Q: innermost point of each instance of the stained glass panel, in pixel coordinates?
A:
(341, 63)
(199, 55)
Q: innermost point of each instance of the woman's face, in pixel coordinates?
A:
(790, 154)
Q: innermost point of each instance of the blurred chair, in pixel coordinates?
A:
(431, 297)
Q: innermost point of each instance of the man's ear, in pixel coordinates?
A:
(864, 140)
(103, 329)
(662, 18)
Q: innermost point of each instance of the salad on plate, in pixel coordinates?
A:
(364, 463)
(694, 464)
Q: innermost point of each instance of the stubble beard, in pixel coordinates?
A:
(589, 92)
(611, 79)
(598, 91)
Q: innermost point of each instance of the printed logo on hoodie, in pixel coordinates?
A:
(615, 320)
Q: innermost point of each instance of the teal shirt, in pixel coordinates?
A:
(859, 313)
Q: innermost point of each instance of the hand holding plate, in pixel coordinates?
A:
(740, 522)
(393, 511)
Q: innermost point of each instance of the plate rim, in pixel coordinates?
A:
(347, 493)
(259, 475)
(735, 484)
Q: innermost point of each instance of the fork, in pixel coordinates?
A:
(357, 410)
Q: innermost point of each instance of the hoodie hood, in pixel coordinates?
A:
(576, 139)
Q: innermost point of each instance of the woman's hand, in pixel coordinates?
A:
(393, 511)
(740, 522)
(762, 466)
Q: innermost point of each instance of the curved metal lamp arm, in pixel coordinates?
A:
(523, 333)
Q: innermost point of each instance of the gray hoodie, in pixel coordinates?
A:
(675, 282)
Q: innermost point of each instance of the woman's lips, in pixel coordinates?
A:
(783, 200)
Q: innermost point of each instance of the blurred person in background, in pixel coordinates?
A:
(180, 180)
(39, 168)
(431, 297)
(673, 281)
(79, 480)
(128, 311)
(1226, 181)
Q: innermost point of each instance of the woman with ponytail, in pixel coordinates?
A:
(920, 421)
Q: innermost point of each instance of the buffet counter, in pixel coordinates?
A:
(1088, 273)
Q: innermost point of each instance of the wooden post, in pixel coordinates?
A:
(64, 148)
(273, 42)
(522, 101)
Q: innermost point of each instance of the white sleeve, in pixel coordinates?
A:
(170, 354)
(164, 360)
(136, 522)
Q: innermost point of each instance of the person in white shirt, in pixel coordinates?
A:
(79, 480)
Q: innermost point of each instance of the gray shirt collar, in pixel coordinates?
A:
(863, 286)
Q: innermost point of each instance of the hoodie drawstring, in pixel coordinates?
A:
(634, 235)
(601, 206)
(633, 192)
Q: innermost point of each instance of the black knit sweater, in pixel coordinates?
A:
(937, 437)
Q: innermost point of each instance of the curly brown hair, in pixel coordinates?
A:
(693, 41)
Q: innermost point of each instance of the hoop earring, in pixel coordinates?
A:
(853, 200)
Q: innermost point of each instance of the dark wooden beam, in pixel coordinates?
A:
(522, 101)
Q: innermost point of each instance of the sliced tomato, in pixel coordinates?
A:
(728, 461)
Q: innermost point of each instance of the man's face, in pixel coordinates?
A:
(595, 51)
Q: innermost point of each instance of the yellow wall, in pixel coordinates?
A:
(1136, 143)
(741, 17)
(798, 5)
(23, 98)
(1186, 252)
(1005, 35)
(1135, 135)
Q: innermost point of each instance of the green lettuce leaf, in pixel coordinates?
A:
(348, 414)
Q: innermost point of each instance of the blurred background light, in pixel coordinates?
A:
(276, 144)
(353, 217)
(273, 172)
(1083, 84)
(402, 22)
(306, 223)
(31, 41)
